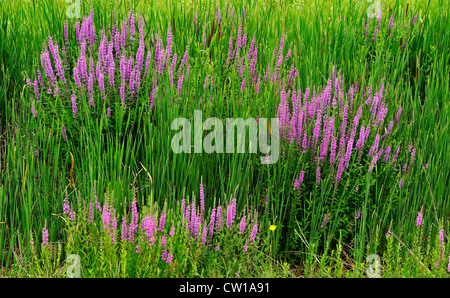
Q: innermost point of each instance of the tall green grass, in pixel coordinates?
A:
(137, 160)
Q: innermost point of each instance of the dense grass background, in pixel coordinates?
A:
(321, 34)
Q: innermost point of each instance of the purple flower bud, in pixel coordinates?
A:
(242, 225)
(45, 237)
(419, 219)
(253, 234)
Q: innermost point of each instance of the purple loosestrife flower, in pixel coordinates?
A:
(419, 219)
(111, 70)
(163, 241)
(348, 153)
(164, 255)
(169, 258)
(45, 237)
(375, 157)
(258, 83)
(358, 215)
(242, 225)
(400, 185)
(212, 222)
(194, 221)
(360, 142)
(396, 155)
(33, 111)
(344, 120)
(413, 155)
(252, 47)
(124, 230)
(231, 213)
(147, 63)
(152, 98)
(340, 170)
(169, 45)
(114, 229)
(77, 77)
(298, 182)
(91, 88)
(316, 133)
(122, 94)
(162, 221)
(64, 133)
(441, 238)
(57, 60)
(317, 176)
(149, 228)
(367, 133)
(39, 78)
(172, 68)
(72, 215)
(134, 222)
(288, 55)
(172, 231)
(106, 217)
(180, 85)
(391, 22)
(47, 65)
(206, 83)
(243, 85)
(74, 105)
(280, 56)
(399, 111)
(388, 133)
(66, 208)
(253, 234)
(91, 214)
(387, 151)
(202, 200)
(131, 22)
(91, 66)
(204, 234)
(187, 71)
(300, 123)
(123, 35)
(291, 75)
(81, 63)
(123, 67)
(388, 234)
(185, 57)
(333, 150)
(218, 219)
(230, 49)
(204, 40)
(374, 148)
(100, 79)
